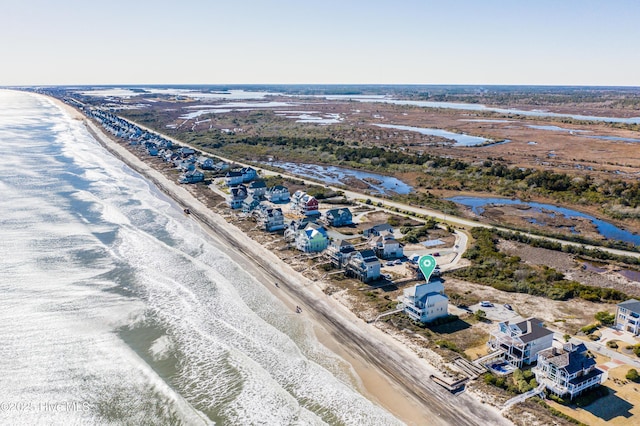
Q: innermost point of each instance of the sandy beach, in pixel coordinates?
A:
(389, 373)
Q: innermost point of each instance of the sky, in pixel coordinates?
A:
(540, 42)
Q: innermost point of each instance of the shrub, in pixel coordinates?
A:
(612, 344)
(605, 318)
(633, 375)
(588, 329)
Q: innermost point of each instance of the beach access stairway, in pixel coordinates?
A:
(489, 357)
(384, 314)
(468, 368)
(524, 396)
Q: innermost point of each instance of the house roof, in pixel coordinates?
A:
(631, 304)
(233, 174)
(278, 188)
(342, 243)
(257, 184)
(572, 358)
(382, 227)
(339, 212)
(369, 256)
(530, 329)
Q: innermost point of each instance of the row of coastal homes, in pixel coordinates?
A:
(249, 197)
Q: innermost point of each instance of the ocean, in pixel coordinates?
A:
(117, 308)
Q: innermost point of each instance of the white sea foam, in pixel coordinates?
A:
(111, 296)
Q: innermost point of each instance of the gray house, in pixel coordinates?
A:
(257, 189)
(236, 196)
(363, 265)
(191, 176)
(339, 217)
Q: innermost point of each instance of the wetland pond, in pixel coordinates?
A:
(606, 229)
(333, 175)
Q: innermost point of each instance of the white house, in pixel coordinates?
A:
(233, 178)
(567, 371)
(425, 302)
(628, 316)
(521, 341)
(386, 247)
(248, 174)
(278, 194)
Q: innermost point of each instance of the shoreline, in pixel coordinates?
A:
(389, 373)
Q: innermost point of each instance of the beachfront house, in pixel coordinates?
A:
(339, 252)
(270, 219)
(257, 189)
(377, 230)
(628, 316)
(363, 265)
(191, 176)
(248, 174)
(569, 371)
(339, 217)
(520, 342)
(236, 196)
(425, 302)
(205, 163)
(250, 203)
(386, 247)
(152, 149)
(313, 238)
(233, 178)
(278, 194)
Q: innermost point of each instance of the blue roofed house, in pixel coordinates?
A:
(569, 371)
(425, 302)
(628, 316)
(278, 194)
(363, 265)
(313, 238)
(339, 217)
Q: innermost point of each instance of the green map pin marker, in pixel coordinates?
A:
(427, 265)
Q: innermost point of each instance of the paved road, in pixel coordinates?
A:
(453, 220)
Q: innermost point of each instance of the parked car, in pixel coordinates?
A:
(436, 254)
(486, 304)
(398, 262)
(508, 306)
(389, 263)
